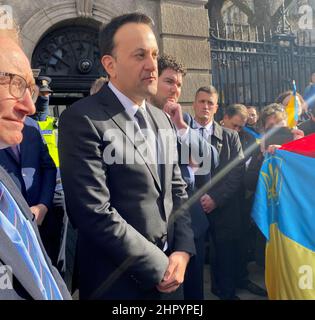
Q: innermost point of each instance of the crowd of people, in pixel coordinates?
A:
(149, 189)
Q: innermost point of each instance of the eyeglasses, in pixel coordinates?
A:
(18, 85)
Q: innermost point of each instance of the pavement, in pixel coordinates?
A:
(256, 275)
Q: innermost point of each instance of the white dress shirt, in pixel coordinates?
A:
(130, 106)
(208, 129)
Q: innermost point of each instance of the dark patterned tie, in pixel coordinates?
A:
(201, 179)
(147, 128)
(21, 233)
(201, 132)
(142, 119)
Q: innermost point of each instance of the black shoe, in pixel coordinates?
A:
(253, 288)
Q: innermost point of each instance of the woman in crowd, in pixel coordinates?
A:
(273, 120)
(284, 99)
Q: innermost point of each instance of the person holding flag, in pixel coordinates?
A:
(286, 218)
(295, 106)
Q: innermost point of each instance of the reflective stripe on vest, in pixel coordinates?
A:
(49, 135)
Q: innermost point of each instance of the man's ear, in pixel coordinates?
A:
(109, 65)
(216, 109)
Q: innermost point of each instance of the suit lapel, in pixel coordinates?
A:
(166, 155)
(24, 149)
(11, 154)
(218, 137)
(119, 115)
(161, 162)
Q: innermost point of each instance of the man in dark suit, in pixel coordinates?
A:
(170, 81)
(34, 172)
(221, 201)
(235, 117)
(31, 167)
(133, 241)
(21, 249)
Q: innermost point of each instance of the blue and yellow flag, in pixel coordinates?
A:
(284, 210)
(292, 109)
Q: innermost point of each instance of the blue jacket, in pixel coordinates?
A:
(309, 95)
(35, 172)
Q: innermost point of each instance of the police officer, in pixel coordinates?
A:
(42, 103)
(55, 225)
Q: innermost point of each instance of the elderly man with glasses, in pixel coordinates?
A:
(22, 253)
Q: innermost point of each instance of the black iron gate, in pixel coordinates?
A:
(256, 72)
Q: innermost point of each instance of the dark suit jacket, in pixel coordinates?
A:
(197, 144)
(308, 127)
(122, 211)
(23, 287)
(226, 218)
(35, 174)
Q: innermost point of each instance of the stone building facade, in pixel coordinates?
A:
(181, 27)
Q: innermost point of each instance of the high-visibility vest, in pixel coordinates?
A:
(49, 133)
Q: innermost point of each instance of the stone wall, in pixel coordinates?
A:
(184, 32)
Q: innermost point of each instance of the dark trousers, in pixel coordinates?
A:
(244, 244)
(223, 265)
(223, 272)
(52, 229)
(193, 284)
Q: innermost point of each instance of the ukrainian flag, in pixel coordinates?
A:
(284, 210)
(292, 109)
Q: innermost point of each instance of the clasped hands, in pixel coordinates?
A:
(175, 272)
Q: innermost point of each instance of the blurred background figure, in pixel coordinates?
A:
(235, 118)
(42, 102)
(284, 99)
(251, 126)
(272, 116)
(309, 93)
(308, 126)
(54, 228)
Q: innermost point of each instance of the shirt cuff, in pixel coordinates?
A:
(182, 134)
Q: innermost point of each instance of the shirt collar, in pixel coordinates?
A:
(130, 107)
(208, 127)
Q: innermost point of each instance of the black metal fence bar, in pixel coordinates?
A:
(255, 73)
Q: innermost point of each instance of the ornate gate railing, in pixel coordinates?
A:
(256, 72)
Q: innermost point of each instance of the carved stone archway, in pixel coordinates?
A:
(46, 18)
(70, 56)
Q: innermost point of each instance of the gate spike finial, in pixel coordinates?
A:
(218, 31)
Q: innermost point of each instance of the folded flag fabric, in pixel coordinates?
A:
(284, 211)
(292, 108)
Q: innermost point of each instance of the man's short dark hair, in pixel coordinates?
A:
(166, 61)
(107, 31)
(210, 90)
(236, 109)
